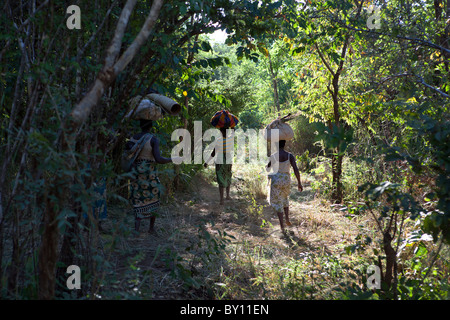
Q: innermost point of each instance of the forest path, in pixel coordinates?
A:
(250, 223)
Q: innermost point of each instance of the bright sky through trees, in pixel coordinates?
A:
(219, 36)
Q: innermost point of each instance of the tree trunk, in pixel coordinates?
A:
(176, 180)
(337, 157)
(275, 86)
(13, 273)
(336, 161)
(48, 250)
(68, 248)
(390, 259)
(1, 240)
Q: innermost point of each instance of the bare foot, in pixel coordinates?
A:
(288, 223)
(228, 198)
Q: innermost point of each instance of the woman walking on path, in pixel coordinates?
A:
(280, 182)
(224, 120)
(145, 185)
(224, 169)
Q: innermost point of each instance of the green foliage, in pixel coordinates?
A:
(304, 162)
(435, 158)
(391, 124)
(420, 280)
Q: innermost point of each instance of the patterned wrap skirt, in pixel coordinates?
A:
(223, 174)
(145, 189)
(280, 189)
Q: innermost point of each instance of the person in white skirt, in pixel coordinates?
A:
(280, 182)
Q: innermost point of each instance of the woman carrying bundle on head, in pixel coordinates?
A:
(280, 178)
(145, 188)
(224, 121)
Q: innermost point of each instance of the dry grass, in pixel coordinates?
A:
(258, 261)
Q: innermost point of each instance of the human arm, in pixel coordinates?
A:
(154, 142)
(268, 166)
(296, 172)
(213, 153)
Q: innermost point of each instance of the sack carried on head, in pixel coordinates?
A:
(153, 106)
(144, 109)
(168, 105)
(285, 131)
(224, 119)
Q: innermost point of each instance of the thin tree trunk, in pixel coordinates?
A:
(337, 157)
(336, 161)
(68, 247)
(15, 258)
(275, 86)
(390, 259)
(48, 250)
(1, 240)
(176, 181)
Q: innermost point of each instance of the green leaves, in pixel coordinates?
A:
(246, 52)
(362, 242)
(437, 223)
(211, 62)
(337, 138)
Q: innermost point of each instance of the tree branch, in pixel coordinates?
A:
(395, 76)
(116, 43)
(420, 80)
(143, 35)
(323, 59)
(415, 40)
(80, 54)
(111, 70)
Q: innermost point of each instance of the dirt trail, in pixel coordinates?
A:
(315, 228)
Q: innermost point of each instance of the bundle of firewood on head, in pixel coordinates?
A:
(285, 131)
(153, 106)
